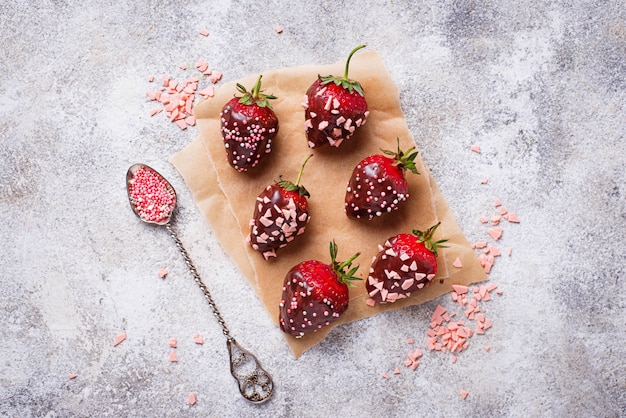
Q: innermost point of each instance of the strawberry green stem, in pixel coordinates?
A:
(302, 169)
(348, 262)
(257, 88)
(345, 74)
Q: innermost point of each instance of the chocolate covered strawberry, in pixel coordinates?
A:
(315, 294)
(248, 126)
(334, 108)
(378, 183)
(404, 264)
(280, 214)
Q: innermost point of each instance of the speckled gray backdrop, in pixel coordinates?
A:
(540, 86)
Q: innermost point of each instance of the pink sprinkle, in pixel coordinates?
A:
(162, 273)
(183, 66)
(439, 310)
(484, 181)
(370, 302)
(464, 394)
(453, 359)
(409, 341)
(475, 148)
(460, 289)
(278, 29)
(207, 91)
(191, 399)
(119, 338)
(487, 262)
(155, 110)
(430, 343)
(487, 348)
(190, 120)
(480, 244)
(396, 371)
(384, 375)
(512, 217)
(202, 65)
(203, 32)
(197, 338)
(151, 78)
(457, 263)
(497, 202)
(181, 124)
(509, 251)
(172, 342)
(495, 233)
(215, 76)
(173, 357)
(72, 376)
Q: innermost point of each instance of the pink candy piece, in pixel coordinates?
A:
(119, 338)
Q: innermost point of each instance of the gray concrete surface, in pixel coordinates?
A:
(540, 86)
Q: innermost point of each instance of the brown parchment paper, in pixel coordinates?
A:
(227, 197)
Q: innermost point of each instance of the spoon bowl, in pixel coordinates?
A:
(156, 205)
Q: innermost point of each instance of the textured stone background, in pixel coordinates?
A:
(539, 85)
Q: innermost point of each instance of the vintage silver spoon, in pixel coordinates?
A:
(153, 200)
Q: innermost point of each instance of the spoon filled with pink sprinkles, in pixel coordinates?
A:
(153, 199)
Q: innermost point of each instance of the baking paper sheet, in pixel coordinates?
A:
(226, 197)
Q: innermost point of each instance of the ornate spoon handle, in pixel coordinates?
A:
(255, 384)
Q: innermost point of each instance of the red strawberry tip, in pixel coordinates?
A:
(256, 95)
(345, 82)
(404, 159)
(339, 268)
(296, 187)
(427, 238)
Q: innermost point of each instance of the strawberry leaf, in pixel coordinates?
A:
(292, 187)
(255, 96)
(427, 238)
(404, 159)
(343, 277)
(349, 85)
